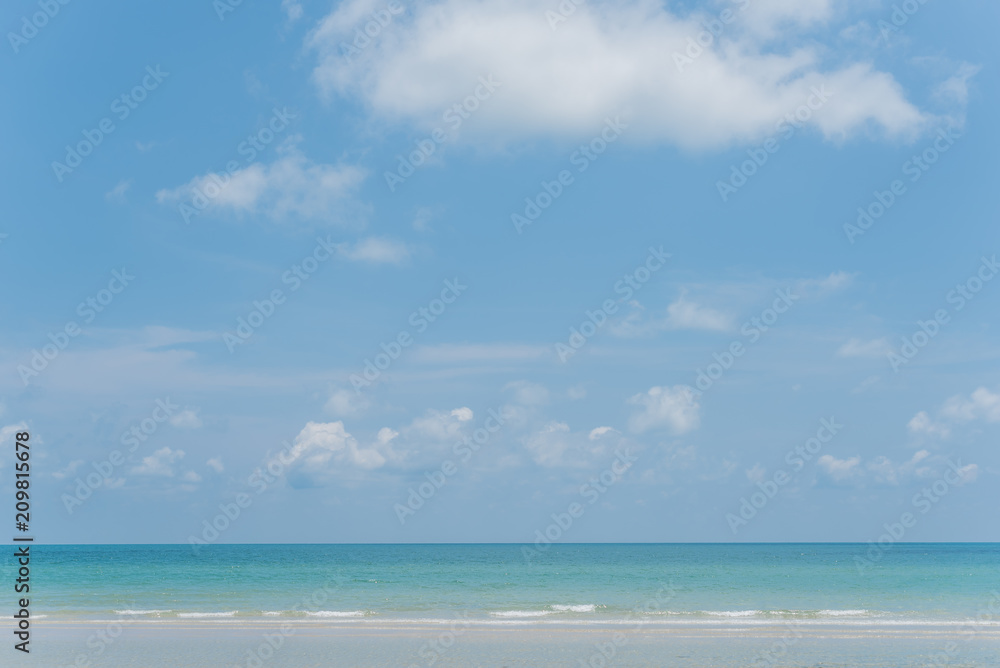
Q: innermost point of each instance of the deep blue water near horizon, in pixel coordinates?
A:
(496, 583)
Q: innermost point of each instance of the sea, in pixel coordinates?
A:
(715, 604)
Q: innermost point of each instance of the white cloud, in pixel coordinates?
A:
(859, 348)
(577, 392)
(527, 393)
(881, 470)
(186, 419)
(117, 194)
(69, 470)
(443, 427)
(292, 186)
(385, 435)
(757, 473)
(840, 469)
(555, 445)
(293, 10)
(865, 384)
(921, 423)
(326, 448)
(676, 408)
(160, 463)
(981, 405)
(968, 473)
(345, 403)
(956, 87)
(766, 17)
(548, 445)
(597, 432)
(8, 432)
(422, 219)
(191, 477)
(684, 314)
(681, 314)
(215, 463)
(375, 250)
(607, 59)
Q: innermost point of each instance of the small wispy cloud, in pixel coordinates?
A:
(859, 348)
(117, 194)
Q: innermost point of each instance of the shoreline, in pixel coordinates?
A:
(824, 629)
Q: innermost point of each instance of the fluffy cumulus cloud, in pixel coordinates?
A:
(323, 451)
(921, 423)
(556, 445)
(186, 419)
(882, 471)
(681, 314)
(674, 408)
(160, 463)
(982, 404)
(631, 58)
(292, 187)
(345, 403)
(840, 469)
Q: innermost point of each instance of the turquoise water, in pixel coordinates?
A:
(572, 584)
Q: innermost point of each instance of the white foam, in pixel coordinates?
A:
(198, 615)
(733, 613)
(522, 613)
(337, 613)
(273, 612)
(141, 612)
(843, 613)
(574, 608)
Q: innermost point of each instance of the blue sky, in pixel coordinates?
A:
(460, 193)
